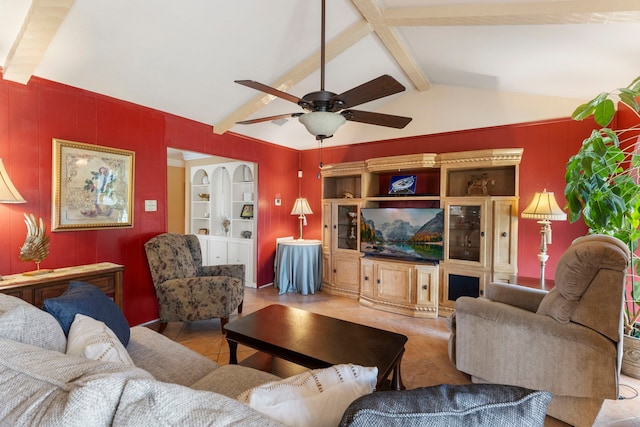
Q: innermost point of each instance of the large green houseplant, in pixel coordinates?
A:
(603, 184)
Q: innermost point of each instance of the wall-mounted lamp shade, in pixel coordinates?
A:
(8, 192)
(322, 123)
(544, 207)
(301, 207)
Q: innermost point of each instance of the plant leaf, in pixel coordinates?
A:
(629, 97)
(583, 111)
(604, 112)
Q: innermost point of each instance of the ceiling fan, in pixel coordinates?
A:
(327, 111)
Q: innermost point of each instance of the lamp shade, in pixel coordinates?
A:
(301, 207)
(544, 207)
(322, 123)
(8, 192)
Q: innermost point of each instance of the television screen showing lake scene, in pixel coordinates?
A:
(408, 233)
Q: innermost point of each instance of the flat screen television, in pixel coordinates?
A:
(404, 233)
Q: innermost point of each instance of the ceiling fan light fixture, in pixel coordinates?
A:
(322, 123)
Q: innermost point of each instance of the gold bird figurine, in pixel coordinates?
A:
(36, 245)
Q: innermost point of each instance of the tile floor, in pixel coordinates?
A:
(425, 361)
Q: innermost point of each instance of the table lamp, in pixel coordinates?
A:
(544, 208)
(301, 208)
(8, 191)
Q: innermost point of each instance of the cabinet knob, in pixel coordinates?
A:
(425, 287)
(366, 277)
(326, 226)
(334, 270)
(335, 226)
(482, 234)
(504, 234)
(378, 281)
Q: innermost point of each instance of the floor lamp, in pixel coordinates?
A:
(301, 208)
(8, 192)
(545, 209)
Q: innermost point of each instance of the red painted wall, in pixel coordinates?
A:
(31, 115)
(547, 147)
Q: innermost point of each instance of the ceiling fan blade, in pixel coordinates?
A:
(368, 117)
(268, 119)
(377, 88)
(270, 90)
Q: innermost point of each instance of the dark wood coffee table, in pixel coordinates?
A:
(315, 341)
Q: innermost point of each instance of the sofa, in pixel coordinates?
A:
(166, 383)
(91, 371)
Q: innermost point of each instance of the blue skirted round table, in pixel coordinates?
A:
(298, 266)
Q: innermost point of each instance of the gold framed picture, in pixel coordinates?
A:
(92, 187)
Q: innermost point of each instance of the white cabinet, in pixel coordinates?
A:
(239, 251)
(242, 202)
(217, 250)
(222, 214)
(224, 250)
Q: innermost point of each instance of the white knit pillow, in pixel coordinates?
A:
(313, 398)
(92, 339)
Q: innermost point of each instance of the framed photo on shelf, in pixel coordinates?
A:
(403, 184)
(92, 187)
(247, 212)
(203, 231)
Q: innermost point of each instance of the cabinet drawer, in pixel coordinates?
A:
(105, 284)
(40, 294)
(24, 294)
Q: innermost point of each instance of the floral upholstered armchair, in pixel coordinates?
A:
(186, 289)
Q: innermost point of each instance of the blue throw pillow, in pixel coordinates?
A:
(467, 405)
(87, 299)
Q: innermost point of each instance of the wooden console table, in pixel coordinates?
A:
(35, 289)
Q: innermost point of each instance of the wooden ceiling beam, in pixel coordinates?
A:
(372, 12)
(527, 13)
(333, 48)
(40, 25)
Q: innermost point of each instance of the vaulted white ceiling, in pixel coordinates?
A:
(465, 64)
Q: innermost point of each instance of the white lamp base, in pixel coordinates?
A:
(545, 238)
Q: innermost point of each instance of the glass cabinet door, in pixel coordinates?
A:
(345, 226)
(466, 231)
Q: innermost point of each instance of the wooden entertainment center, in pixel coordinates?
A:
(478, 192)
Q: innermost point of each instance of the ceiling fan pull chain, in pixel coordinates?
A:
(320, 156)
